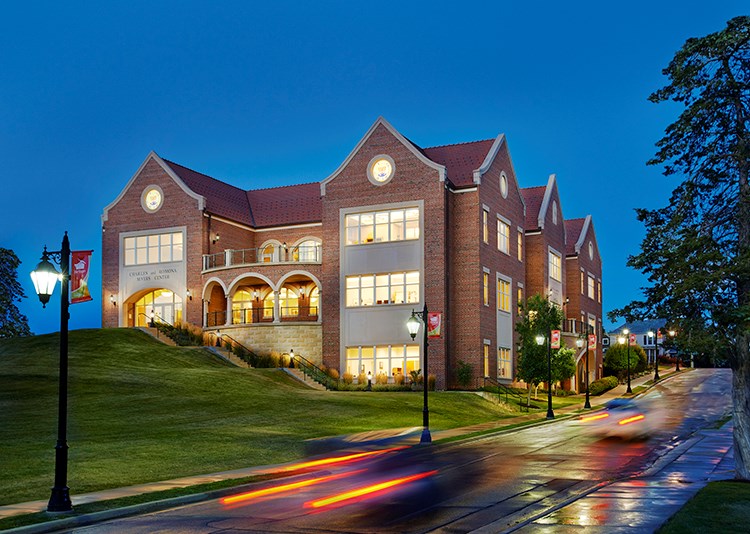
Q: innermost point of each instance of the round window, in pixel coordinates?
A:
(381, 169)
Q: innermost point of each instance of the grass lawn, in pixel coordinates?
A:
(140, 411)
(722, 506)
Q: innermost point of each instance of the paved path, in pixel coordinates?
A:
(706, 456)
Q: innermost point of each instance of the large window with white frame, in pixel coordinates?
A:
(555, 266)
(486, 289)
(154, 248)
(485, 226)
(503, 295)
(504, 364)
(503, 236)
(383, 288)
(592, 288)
(388, 360)
(384, 226)
(520, 245)
(486, 355)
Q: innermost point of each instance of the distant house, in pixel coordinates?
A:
(652, 344)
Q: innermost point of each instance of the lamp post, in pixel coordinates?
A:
(672, 334)
(655, 336)
(540, 341)
(45, 277)
(412, 324)
(626, 339)
(579, 344)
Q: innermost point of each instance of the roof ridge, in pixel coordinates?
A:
(170, 162)
(534, 187)
(457, 144)
(281, 187)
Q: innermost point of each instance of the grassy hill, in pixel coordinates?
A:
(141, 411)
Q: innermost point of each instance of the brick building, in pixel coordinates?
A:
(334, 269)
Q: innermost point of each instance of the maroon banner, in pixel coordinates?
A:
(633, 340)
(434, 324)
(592, 341)
(555, 339)
(79, 276)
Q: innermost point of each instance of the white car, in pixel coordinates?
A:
(623, 418)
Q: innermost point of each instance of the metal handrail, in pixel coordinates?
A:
(507, 391)
(313, 371)
(258, 256)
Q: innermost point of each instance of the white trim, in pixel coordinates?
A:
(208, 282)
(458, 191)
(236, 282)
(488, 159)
(545, 201)
(258, 230)
(582, 237)
(168, 170)
(381, 121)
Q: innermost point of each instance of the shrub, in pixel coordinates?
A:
(381, 378)
(333, 373)
(362, 378)
(431, 382)
(597, 387)
(463, 374)
(274, 359)
(348, 378)
(398, 379)
(415, 376)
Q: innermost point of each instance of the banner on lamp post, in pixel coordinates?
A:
(632, 340)
(555, 339)
(434, 324)
(592, 341)
(79, 276)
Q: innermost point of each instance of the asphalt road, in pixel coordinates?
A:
(496, 484)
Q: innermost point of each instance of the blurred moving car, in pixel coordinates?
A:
(623, 418)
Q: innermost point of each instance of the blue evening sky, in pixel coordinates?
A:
(262, 94)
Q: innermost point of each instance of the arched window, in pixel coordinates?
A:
(288, 302)
(307, 251)
(242, 307)
(267, 253)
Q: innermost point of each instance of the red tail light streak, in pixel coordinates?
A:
(367, 491)
(594, 417)
(283, 488)
(633, 419)
(340, 459)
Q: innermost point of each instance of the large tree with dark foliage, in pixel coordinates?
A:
(696, 251)
(12, 321)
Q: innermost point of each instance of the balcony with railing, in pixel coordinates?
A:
(270, 254)
(262, 315)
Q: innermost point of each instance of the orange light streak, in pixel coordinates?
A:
(282, 488)
(631, 419)
(595, 417)
(367, 490)
(340, 459)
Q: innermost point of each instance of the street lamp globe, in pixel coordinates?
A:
(412, 325)
(45, 277)
(579, 343)
(539, 340)
(621, 340)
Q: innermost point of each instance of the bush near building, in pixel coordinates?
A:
(616, 361)
(597, 387)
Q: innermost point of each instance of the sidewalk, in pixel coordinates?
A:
(78, 499)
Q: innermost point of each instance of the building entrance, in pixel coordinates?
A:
(163, 303)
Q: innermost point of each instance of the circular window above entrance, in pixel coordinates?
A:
(381, 169)
(152, 198)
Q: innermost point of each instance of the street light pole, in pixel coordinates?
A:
(656, 353)
(579, 343)
(59, 500)
(413, 326)
(627, 338)
(672, 334)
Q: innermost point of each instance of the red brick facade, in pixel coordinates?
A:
(226, 231)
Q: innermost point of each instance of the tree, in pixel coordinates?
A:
(563, 364)
(539, 318)
(616, 360)
(12, 322)
(696, 251)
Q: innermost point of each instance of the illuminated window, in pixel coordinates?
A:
(155, 248)
(504, 363)
(503, 295)
(583, 284)
(520, 246)
(382, 226)
(486, 360)
(380, 289)
(503, 236)
(519, 302)
(382, 360)
(486, 288)
(306, 251)
(555, 269)
(599, 286)
(242, 306)
(485, 226)
(592, 287)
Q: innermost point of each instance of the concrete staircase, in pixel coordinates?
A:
(299, 375)
(154, 333)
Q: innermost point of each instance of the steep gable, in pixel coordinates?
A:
(461, 160)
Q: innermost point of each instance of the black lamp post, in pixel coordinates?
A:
(579, 343)
(45, 277)
(412, 324)
(672, 334)
(626, 339)
(655, 336)
(540, 341)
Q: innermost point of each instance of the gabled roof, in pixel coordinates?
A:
(221, 198)
(292, 204)
(533, 196)
(640, 327)
(573, 232)
(461, 160)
